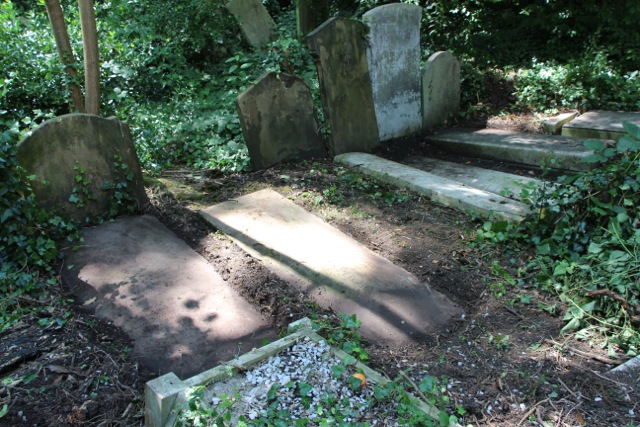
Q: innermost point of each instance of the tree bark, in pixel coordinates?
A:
(91, 63)
(61, 36)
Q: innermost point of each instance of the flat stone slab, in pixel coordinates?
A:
(447, 192)
(332, 268)
(183, 316)
(600, 125)
(495, 182)
(528, 149)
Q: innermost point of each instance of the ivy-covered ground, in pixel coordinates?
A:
(505, 363)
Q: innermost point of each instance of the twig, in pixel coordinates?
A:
(531, 411)
(602, 359)
(567, 388)
(539, 418)
(415, 387)
(512, 311)
(608, 379)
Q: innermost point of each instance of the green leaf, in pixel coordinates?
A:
(6, 215)
(349, 360)
(632, 129)
(588, 307)
(443, 419)
(4, 410)
(594, 144)
(594, 158)
(544, 249)
(594, 248)
(337, 370)
(304, 388)
(73, 198)
(627, 143)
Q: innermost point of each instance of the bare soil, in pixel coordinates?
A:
(506, 361)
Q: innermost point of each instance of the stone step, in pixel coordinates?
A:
(496, 182)
(600, 125)
(529, 149)
(183, 316)
(448, 192)
(332, 268)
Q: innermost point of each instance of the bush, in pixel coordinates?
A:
(587, 234)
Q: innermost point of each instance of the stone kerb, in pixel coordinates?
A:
(255, 22)
(278, 121)
(77, 159)
(440, 89)
(339, 50)
(393, 56)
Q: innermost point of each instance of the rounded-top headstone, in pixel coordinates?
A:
(440, 89)
(79, 162)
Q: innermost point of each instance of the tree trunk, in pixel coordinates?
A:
(91, 64)
(64, 50)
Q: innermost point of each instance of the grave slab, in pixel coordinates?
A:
(600, 125)
(183, 316)
(255, 22)
(339, 51)
(529, 149)
(332, 268)
(447, 192)
(440, 89)
(393, 55)
(483, 179)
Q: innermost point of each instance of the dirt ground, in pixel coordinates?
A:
(506, 361)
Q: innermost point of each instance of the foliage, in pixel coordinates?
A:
(586, 233)
(28, 235)
(511, 33)
(390, 399)
(586, 84)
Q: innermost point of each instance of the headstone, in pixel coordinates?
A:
(255, 22)
(78, 160)
(440, 89)
(278, 121)
(310, 14)
(393, 54)
(339, 50)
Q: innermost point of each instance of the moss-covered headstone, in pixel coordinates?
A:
(83, 167)
(339, 50)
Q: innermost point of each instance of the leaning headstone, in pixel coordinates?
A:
(310, 14)
(255, 22)
(440, 89)
(339, 50)
(393, 54)
(278, 121)
(80, 162)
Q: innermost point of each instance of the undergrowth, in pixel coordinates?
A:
(586, 235)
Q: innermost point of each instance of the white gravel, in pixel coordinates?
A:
(306, 365)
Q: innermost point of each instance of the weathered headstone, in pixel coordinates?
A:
(278, 121)
(255, 22)
(339, 50)
(310, 14)
(440, 89)
(79, 161)
(393, 54)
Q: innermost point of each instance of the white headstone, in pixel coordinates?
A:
(440, 89)
(393, 55)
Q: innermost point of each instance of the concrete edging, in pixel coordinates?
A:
(164, 395)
